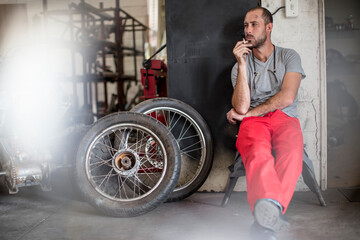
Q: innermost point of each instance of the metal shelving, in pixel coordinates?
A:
(97, 35)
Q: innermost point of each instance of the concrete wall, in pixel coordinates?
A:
(305, 34)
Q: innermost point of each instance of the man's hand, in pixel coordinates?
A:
(241, 50)
(232, 116)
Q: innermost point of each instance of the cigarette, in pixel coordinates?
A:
(244, 40)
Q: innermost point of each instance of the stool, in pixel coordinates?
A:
(237, 170)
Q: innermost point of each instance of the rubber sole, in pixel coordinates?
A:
(268, 215)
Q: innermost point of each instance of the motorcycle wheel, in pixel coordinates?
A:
(193, 137)
(127, 164)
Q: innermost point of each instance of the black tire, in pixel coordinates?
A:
(193, 155)
(128, 177)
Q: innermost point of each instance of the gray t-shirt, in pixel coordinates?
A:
(268, 80)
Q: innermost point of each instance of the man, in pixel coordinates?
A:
(266, 79)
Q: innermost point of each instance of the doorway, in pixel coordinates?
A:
(342, 23)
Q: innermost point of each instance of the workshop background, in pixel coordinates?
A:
(307, 36)
(319, 28)
(325, 33)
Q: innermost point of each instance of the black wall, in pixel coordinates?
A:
(200, 37)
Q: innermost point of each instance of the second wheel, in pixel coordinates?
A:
(193, 137)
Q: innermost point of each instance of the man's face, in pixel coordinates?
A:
(254, 27)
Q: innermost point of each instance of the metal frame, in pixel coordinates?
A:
(83, 20)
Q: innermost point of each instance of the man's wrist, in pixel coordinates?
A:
(242, 66)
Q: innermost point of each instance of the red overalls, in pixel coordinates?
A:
(271, 148)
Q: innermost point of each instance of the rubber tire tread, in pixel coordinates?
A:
(177, 104)
(140, 206)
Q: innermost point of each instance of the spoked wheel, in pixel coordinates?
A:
(193, 137)
(127, 164)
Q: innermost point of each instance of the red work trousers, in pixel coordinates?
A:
(271, 148)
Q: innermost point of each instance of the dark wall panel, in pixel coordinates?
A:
(200, 37)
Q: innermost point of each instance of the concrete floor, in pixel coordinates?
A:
(33, 214)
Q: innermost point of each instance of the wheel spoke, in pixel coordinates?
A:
(100, 163)
(107, 177)
(138, 143)
(190, 146)
(188, 137)
(182, 133)
(147, 174)
(109, 145)
(121, 186)
(196, 159)
(123, 136)
(165, 115)
(173, 125)
(132, 184)
(110, 149)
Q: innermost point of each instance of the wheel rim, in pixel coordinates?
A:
(120, 162)
(190, 139)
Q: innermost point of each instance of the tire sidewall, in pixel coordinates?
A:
(142, 205)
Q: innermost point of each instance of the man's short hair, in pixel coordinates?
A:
(266, 15)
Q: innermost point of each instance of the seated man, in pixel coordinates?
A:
(266, 79)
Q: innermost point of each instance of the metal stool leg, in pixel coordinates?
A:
(236, 170)
(310, 179)
(229, 189)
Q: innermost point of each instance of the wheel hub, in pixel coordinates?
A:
(126, 162)
(150, 148)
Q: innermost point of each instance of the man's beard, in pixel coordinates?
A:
(257, 43)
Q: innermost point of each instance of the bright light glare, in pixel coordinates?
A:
(33, 93)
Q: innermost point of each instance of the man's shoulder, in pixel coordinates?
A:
(287, 54)
(286, 51)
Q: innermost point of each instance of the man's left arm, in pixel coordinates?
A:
(281, 100)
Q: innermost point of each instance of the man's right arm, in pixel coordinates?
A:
(241, 95)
